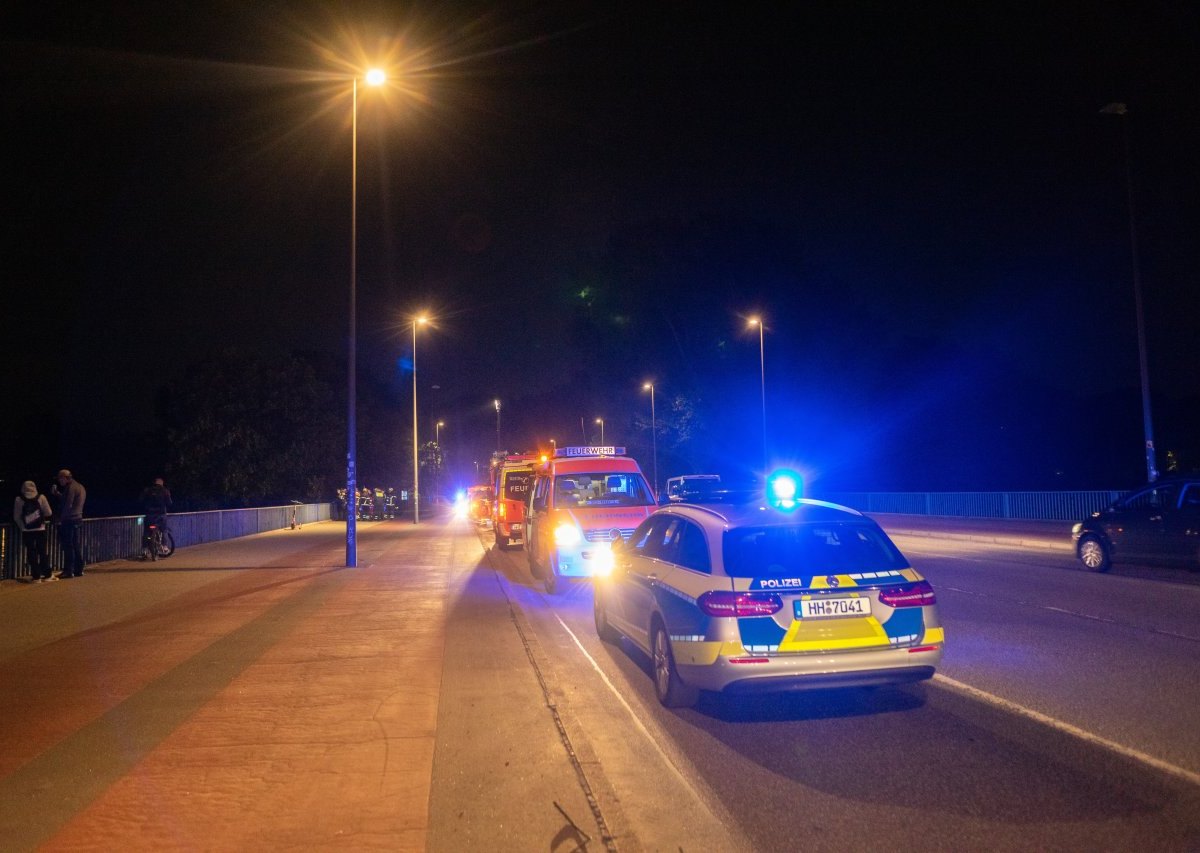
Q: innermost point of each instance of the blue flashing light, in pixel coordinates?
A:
(784, 489)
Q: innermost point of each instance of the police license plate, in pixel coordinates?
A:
(828, 607)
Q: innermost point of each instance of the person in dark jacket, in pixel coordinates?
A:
(71, 496)
(156, 503)
(31, 512)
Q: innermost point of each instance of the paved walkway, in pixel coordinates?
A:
(255, 695)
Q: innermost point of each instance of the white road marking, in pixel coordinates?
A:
(636, 720)
(1067, 728)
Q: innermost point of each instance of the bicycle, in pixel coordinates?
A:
(160, 543)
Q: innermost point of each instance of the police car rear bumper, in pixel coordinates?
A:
(830, 681)
(788, 673)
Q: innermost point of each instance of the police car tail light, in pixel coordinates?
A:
(917, 594)
(727, 603)
(567, 535)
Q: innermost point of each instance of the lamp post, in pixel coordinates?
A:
(1121, 110)
(601, 422)
(417, 321)
(497, 405)
(649, 386)
(762, 370)
(374, 77)
(437, 460)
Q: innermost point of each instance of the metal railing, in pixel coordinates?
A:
(1025, 506)
(120, 537)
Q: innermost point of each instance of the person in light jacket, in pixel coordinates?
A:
(31, 512)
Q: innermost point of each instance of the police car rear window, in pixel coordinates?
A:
(601, 489)
(809, 549)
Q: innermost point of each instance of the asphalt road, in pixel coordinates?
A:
(1063, 717)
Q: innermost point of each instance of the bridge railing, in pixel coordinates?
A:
(1025, 506)
(120, 537)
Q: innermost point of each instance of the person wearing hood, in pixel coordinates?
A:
(31, 512)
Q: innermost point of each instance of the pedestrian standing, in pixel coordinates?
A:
(71, 495)
(31, 512)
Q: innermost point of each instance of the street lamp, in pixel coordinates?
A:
(437, 459)
(762, 368)
(649, 386)
(601, 422)
(417, 321)
(374, 77)
(1151, 468)
(497, 404)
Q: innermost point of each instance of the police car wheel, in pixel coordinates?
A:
(668, 686)
(604, 630)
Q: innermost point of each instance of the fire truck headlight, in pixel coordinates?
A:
(567, 535)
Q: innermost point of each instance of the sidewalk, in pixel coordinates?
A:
(254, 695)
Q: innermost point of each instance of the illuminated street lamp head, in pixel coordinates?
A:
(754, 321)
(599, 420)
(497, 404)
(422, 320)
(376, 77)
(647, 386)
(441, 423)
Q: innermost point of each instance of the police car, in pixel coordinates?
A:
(775, 595)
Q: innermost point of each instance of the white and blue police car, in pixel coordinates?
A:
(771, 595)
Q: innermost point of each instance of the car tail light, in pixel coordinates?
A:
(917, 594)
(503, 510)
(727, 603)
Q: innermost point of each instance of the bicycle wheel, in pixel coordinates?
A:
(166, 543)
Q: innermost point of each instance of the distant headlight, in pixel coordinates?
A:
(567, 535)
(1076, 528)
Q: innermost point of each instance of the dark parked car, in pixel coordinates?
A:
(1160, 524)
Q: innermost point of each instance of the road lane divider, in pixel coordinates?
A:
(1067, 728)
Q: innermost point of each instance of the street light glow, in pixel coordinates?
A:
(376, 77)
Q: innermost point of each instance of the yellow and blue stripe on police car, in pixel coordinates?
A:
(692, 643)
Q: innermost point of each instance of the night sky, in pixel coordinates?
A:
(923, 201)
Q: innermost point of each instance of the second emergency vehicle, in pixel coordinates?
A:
(584, 499)
(514, 477)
